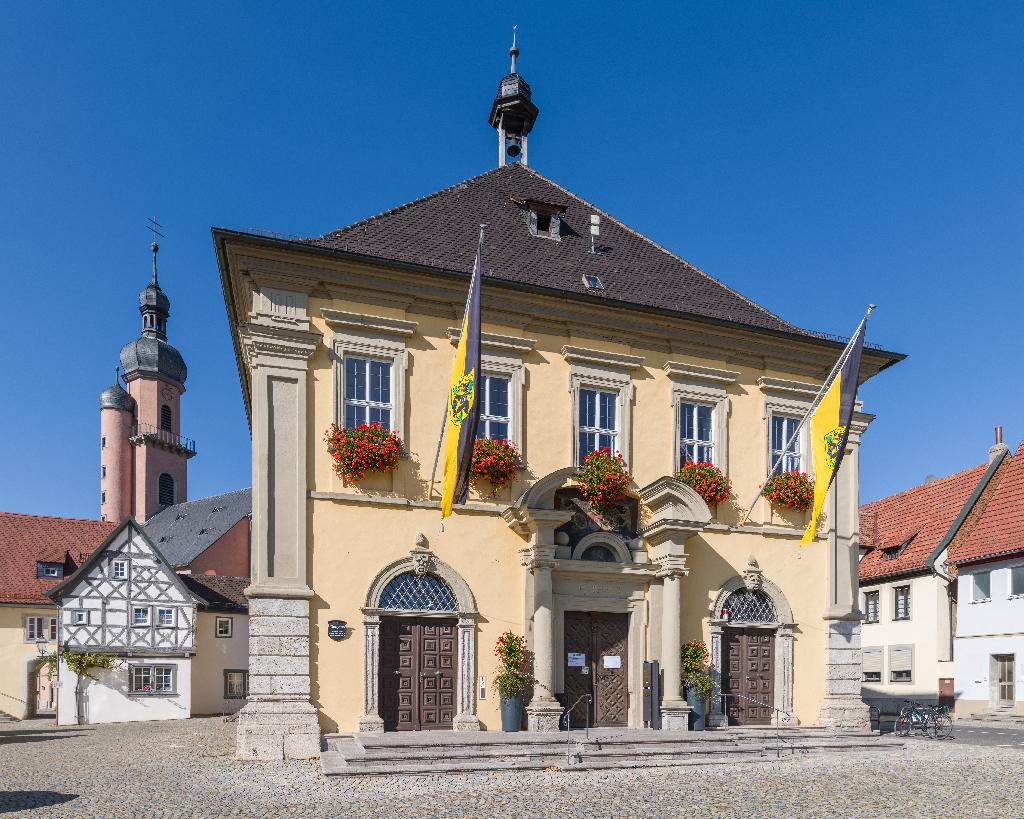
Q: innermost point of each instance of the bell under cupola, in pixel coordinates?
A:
(513, 113)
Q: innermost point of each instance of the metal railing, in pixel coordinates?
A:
(779, 741)
(567, 713)
(163, 436)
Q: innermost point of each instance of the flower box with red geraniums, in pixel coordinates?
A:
(495, 461)
(790, 490)
(707, 480)
(366, 448)
(604, 482)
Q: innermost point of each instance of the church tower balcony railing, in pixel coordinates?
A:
(142, 433)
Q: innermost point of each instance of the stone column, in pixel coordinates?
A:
(278, 721)
(544, 710)
(466, 718)
(370, 722)
(843, 707)
(675, 713)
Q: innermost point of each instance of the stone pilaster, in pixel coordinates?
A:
(843, 707)
(278, 721)
(544, 711)
(370, 722)
(716, 715)
(466, 718)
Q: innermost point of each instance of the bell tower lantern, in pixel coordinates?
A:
(513, 113)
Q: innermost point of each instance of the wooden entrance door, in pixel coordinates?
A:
(417, 673)
(749, 671)
(600, 642)
(1004, 678)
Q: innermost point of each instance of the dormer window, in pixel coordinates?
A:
(46, 569)
(544, 218)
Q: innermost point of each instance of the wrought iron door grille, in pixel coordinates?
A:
(747, 606)
(413, 592)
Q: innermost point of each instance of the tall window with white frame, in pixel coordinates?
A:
(367, 392)
(598, 427)
(495, 415)
(981, 591)
(785, 444)
(871, 607)
(901, 603)
(696, 433)
(1016, 581)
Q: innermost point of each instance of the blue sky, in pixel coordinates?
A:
(814, 156)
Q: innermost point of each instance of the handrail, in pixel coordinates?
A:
(778, 732)
(164, 436)
(567, 713)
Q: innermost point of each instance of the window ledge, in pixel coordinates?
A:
(152, 693)
(984, 600)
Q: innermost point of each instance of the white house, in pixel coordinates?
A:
(989, 644)
(127, 602)
(908, 593)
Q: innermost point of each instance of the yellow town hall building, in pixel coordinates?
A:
(366, 616)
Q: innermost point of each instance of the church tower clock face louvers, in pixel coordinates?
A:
(143, 455)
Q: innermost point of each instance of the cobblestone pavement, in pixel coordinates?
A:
(185, 768)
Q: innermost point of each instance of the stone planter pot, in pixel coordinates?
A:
(699, 706)
(511, 713)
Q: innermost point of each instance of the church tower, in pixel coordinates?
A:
(513, 113)
(143, 456)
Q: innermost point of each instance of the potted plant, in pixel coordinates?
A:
(513, 678)
(790, 490)
(604, 483)
(707, 480)
(495, 461)
(697, 681)
(366, 448)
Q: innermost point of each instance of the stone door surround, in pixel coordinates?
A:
(420, 561)
(753, 579)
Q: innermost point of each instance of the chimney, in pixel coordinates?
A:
(998, 447)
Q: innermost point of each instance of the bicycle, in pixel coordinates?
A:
(928, 719)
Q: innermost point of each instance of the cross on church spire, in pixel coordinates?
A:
(153, 227)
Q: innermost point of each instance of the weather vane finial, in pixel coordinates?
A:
(514, 51)
(154, 228)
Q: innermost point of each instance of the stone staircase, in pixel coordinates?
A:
(440, 752)
(998, 716)
(5, 717)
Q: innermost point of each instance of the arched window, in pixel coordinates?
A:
(165, 418)
(166, 490)
(746, 606)
(598, 552)
(418, 592)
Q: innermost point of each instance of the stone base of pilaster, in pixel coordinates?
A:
(275, 731)
(465, 722)
(543, 715)
(371, 724)
(279, 721)
(843, 708)
(675, 715)
(717, 720)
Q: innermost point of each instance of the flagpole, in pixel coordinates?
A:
(444, 418)
(814, 404)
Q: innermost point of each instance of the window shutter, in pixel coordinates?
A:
(901, 658)
(872, 660)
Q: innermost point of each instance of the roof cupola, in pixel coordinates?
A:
(513, 113)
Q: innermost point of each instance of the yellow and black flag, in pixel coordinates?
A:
(463, 410)
(830, 425)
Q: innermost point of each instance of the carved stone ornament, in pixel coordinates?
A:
(422, 557)
(753, 577)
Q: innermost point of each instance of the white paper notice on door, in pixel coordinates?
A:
(577, 660)
(612, 661)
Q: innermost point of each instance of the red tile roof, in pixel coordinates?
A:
(1000, 529)
(919, 518)
(26, 539)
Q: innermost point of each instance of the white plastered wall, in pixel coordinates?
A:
(106, 698)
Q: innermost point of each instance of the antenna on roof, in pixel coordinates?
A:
(595, 230)
(153, 227)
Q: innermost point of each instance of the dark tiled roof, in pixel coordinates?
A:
(218, 592)
(913, 523)
(1000, 528)
(26, 539)
(184, 531)
(440, 230)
